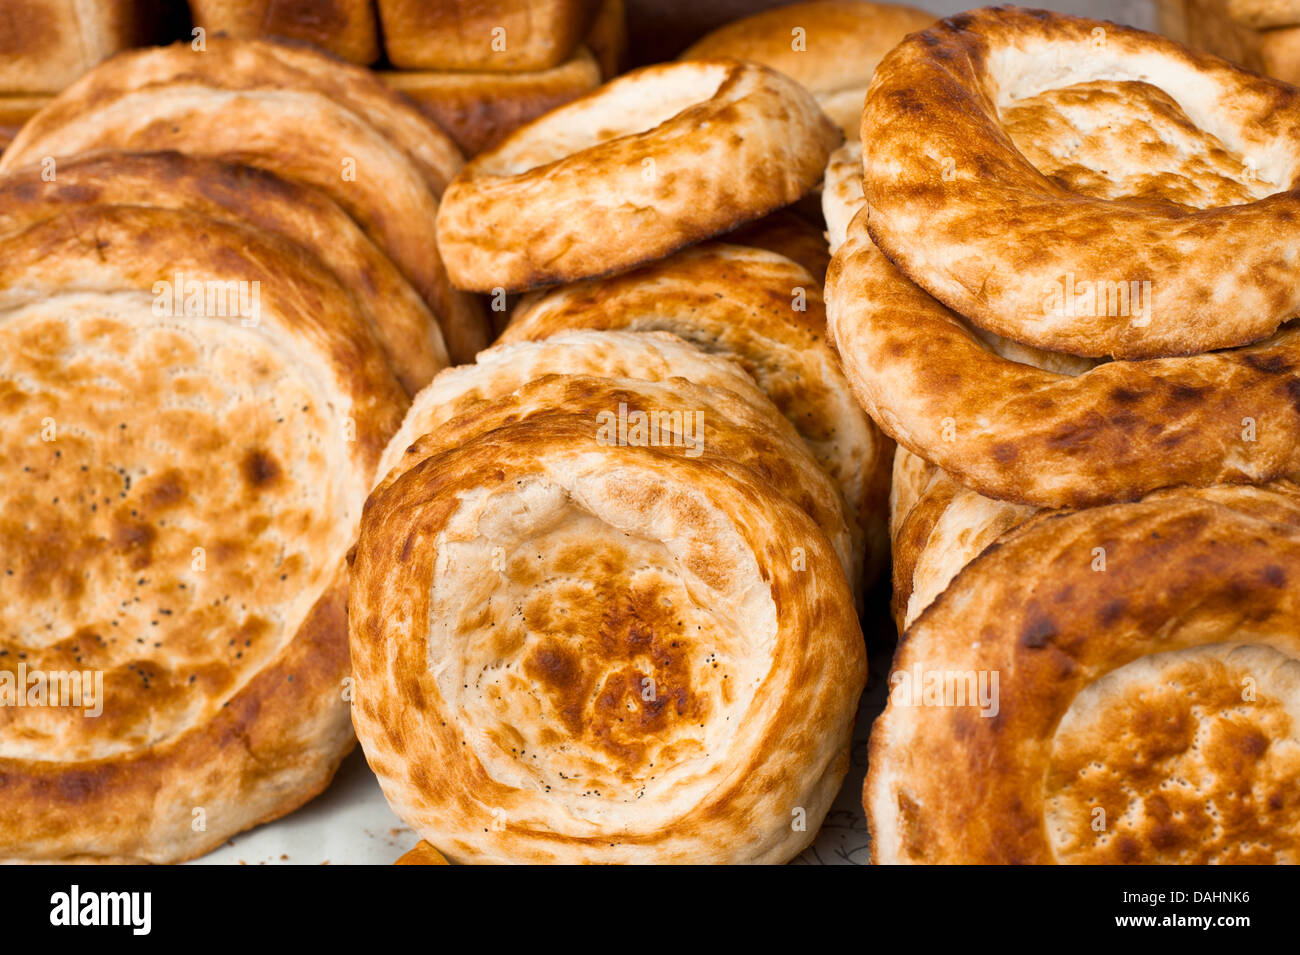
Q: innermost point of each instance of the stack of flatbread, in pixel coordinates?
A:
(1059, 284)
(210, 330)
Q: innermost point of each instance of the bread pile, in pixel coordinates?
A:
(209, 337)
(1261, 35)
(591, 592)
(603, 602)
(1063, 286)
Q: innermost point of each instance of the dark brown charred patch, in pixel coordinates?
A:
(1267, 362)
(260, 469)
(1037, 632)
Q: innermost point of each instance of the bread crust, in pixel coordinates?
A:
(684, 151)
(396, 315)
(959, 207)
(834, 56)
(271, 105)
(346, 28)
(1066, 437)
(491, 35)
(731, 769)
(740, 303)
(1120, 691)
(234, 704)
(480, 109)
(937, 528)
(642, 372)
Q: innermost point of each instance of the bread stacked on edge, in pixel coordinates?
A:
(210, 333)
(1063, 285)
(604, 597)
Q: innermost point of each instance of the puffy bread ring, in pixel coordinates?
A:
(539, 378)
(1054, 438)
(236, 193)
(1141, 711)
(661, 157)
(514, 597)
(1005, 225)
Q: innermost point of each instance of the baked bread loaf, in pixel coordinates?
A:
(271, 105)
(569, 651)
(46, 44)
(661, 157)
(492, 35)
(831, 47)
(1115, 685)
(480, 109)
(658, 376)
(1034, 427)
(395, 314)
(742, 304)
(181, 490)
(1170, 221)
(346, 28)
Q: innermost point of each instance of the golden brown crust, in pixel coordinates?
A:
(47, 44)
(693, 729)
(961, 192)
(741, 304)
(271, 105)
(1146, 706)
(938, 527)
(831, 47)
(1056, 438)
(396, 314)
(181, 530)
(661, 157)
(789, 234)
(491, 35)
(478, 110)
(422, 854)
(346, 28)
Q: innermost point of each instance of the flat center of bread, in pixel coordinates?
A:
(604, 667)
(1188, 757)
(1122, 139)
(164, 522)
